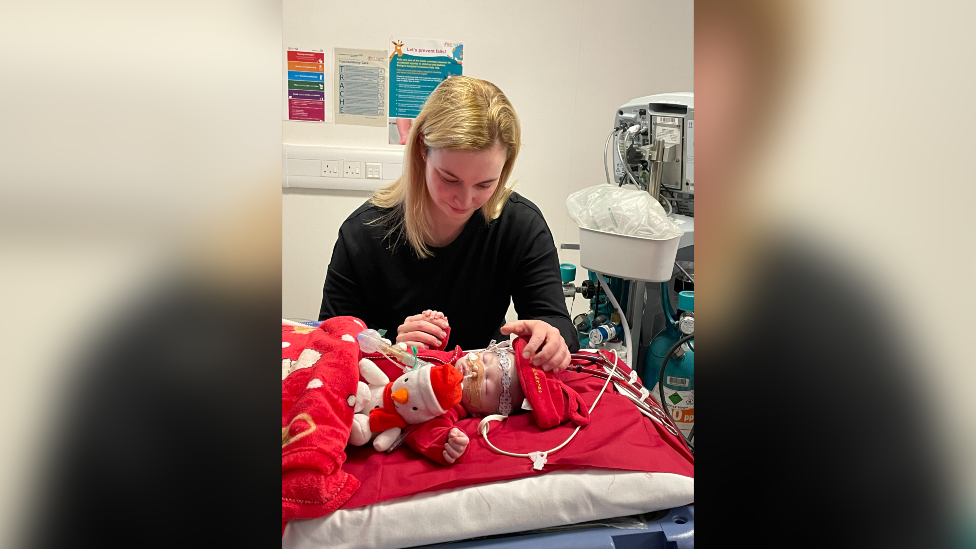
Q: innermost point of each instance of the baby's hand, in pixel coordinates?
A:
(457, 441)
(436, 318)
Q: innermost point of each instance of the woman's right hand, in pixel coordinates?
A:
(425, 331)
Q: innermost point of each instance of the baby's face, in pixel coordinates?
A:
(482, 384)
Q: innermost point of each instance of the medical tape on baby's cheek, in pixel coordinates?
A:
(474, 379)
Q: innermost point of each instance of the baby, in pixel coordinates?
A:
(491, 383)
(490, 386)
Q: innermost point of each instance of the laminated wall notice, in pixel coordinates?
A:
(360, 87)
(417, 67)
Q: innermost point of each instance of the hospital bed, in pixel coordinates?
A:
(670, 528)
(555, 509)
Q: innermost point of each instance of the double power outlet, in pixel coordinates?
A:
(352, 170)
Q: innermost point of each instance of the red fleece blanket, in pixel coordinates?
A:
(319, 375)
(320, 372)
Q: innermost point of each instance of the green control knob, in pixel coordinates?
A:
(567, 271)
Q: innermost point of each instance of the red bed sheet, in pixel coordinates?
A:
(618, 437)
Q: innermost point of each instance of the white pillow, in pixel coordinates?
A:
(553, 499)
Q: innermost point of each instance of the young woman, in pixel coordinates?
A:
(451, 235)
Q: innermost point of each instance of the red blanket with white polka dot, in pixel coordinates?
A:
(319, 375)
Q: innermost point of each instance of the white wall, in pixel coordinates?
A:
(566, 65)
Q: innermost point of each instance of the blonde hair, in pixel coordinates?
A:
(462, 113)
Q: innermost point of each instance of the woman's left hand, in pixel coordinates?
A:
(546, 348)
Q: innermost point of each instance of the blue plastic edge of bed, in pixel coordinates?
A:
(676, 530)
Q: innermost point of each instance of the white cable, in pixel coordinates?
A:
(606, 170)
(539, 458)
(623, 319)
(666, 201)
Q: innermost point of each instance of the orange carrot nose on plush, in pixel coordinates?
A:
(401, 395)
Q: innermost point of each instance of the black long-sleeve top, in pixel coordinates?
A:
(471, 280)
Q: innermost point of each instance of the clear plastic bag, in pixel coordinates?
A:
(621, 210)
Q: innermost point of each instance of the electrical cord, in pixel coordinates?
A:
(623, 318)
(690, 277)
(660, 383)
(596, 310)
(665, 201)
(606, 170)
(671, 189)
(675, 198)
(629, 387)
(691, 435)
(625, 165)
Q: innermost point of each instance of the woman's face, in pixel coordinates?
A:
(460, 182)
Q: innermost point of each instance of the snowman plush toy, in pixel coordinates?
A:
(427, 399)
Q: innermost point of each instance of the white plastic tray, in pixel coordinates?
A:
(629, 257)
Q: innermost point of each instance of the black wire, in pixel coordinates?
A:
(596, 310)
(660, 383)
(691, 435)
(673, 191)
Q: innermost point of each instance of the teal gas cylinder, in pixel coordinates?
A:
(679, 379)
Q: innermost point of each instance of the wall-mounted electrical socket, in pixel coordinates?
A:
(353, 170)
(330, 168)
(318, 167)
(374, 170)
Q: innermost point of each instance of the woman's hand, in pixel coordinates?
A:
(546, 348)
(425, 331)
(457, 441)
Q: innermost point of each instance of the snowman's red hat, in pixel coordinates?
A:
(440, 390)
